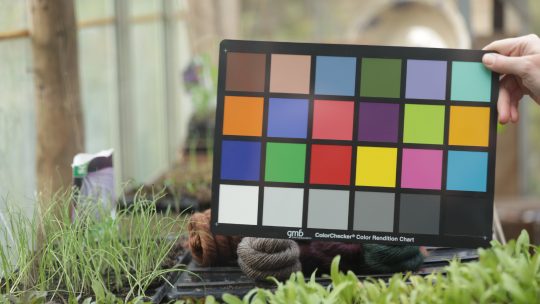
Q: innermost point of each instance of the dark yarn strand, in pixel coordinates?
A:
(260, 258)
(367, 258)
(318, 256)
(208, 249)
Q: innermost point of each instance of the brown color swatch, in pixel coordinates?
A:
(245, 72)
(290, 73)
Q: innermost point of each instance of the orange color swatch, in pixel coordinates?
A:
(469, 126)
(243, 116)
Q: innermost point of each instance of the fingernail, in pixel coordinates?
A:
(488, 59)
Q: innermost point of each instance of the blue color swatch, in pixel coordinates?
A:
(335, 75)
(288, 118)
(471, 81)
(240, 160)
(467, 171)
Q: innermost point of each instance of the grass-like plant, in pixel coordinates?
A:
(503, 274)
(94, 256)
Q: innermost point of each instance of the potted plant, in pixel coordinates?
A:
(200, 79)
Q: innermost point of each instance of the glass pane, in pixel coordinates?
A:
(94, 9)
(12, 15)
(98, 86)
(144, 7)
(533, 112)
(185, 105)
(148, 105)
(17, 125)
(533, 154)
(181, 5)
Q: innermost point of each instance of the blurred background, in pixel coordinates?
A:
(146, 74)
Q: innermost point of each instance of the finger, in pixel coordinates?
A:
(505, 65)
(514, 113)
(507, 86)
(515, 98)
(504, 46)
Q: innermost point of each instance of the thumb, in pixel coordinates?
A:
(504, 64)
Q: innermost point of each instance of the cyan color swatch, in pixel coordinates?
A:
(240, 160)
(471, 81)
(335, 75)
(467, 171)
(287, 118)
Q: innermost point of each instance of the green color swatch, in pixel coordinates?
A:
(380, 77)
(285, 162)
(471, 81)
(424, 124)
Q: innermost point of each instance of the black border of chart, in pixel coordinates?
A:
(357, 51)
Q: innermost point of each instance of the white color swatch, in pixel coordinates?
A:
(238, 204)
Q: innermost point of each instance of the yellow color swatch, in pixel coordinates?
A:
(469, 126)
(243, 116)
(376, 166)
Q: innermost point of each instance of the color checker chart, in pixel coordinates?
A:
(354, 143)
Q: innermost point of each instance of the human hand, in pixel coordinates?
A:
(519, 63)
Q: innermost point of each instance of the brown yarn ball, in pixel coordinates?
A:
(208, 249)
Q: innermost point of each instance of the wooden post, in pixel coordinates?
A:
(59, 121)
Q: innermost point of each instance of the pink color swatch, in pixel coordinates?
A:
(421, 169)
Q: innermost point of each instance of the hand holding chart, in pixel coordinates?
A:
(519, 60)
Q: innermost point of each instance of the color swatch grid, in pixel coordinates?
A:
(351, 140)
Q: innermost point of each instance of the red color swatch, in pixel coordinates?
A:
(330, 165)
(333, 119)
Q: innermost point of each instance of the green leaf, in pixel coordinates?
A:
(512, 286)
(231, 299)
(210, 300)
(334, 269)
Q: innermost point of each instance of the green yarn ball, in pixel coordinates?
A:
(391, 259)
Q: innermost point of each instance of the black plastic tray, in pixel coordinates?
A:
(199, 282)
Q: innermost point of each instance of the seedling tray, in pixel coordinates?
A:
(198, 282)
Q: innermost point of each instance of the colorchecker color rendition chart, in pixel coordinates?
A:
(354, 143)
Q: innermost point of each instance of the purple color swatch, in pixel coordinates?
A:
(421, 169)
(426, 79)
(378, 122)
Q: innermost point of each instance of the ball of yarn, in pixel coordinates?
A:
(208, 249)
(389, 259)
(318, 256)
(260, 258)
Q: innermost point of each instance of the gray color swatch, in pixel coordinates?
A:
(283, 207)
(328, 209)
(419, 213)
(374, 211)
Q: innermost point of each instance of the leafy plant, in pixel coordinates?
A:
(503, 274)
(200, 79)
(92, 256)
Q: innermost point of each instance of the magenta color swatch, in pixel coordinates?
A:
(421, 169)
(378, 122)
